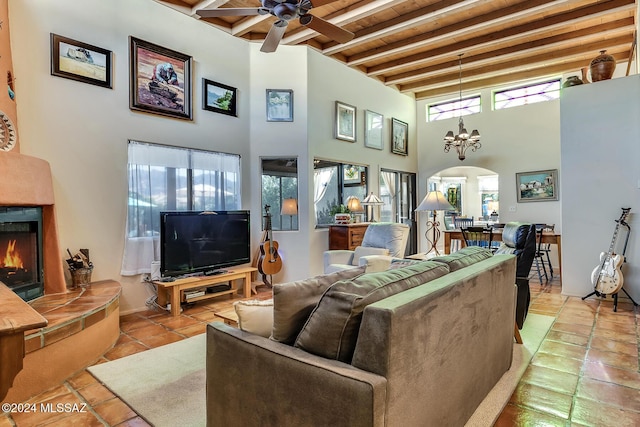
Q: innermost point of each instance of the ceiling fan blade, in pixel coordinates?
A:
(327, 28)
(230, 11)
(274, 36)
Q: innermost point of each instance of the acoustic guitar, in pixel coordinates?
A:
(607, 277)
(270, 261)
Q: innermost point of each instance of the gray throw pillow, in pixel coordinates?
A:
(464, 257)
(332, 329)
(293, 302)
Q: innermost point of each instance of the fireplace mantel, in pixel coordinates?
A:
(27, 181)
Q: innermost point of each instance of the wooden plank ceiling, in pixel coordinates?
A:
(414, 45)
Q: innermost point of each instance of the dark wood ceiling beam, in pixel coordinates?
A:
(471, 24)
(419, 16)
(578, 52)
(550, 23)
(549, 44)
(538, 73)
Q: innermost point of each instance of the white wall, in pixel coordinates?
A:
(600, 166)
(284, 69)
(331, 81)
(82, 129)
(518, 139)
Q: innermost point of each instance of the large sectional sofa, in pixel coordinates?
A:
(420, 344)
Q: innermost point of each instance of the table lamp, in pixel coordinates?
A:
(372, 200)
(434, 201)
(289, 207)
(354, 206)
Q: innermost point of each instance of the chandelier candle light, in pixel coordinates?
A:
(372, 200)
(462, 140)
(434, 201)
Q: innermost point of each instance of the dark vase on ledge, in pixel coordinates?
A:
(572, 81)
(602, 67)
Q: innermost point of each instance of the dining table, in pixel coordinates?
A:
(547, 237)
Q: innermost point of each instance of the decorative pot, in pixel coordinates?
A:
(602, 67)
(572, 81)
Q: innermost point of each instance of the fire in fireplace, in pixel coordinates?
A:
(21, 250)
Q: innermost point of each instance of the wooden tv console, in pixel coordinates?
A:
(171, 291)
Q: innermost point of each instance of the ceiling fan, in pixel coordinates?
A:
(285, 11)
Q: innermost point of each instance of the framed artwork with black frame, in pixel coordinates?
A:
(76, 60)
(537, 186)
(399, 137)
(373, 124)
(279, 105)
(219, 98)
(345, 126)
(160, 80)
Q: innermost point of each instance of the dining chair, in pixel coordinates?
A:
(477, 236)
(458, 223)
(542, 257)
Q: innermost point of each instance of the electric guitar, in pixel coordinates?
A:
(270, 261)
(607, 277)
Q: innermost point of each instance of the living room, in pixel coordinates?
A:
(590, 135)
(83, 134)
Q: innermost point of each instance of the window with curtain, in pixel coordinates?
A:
(333, 184)
(164, 178)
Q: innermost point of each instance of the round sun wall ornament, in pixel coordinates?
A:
(7, 133)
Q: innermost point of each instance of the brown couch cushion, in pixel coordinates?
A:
(464, 257)
(293, 302)
(332, 329)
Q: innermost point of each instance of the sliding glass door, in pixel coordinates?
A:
(398, 193)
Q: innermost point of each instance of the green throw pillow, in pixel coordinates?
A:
(293, 302)
(332, 329)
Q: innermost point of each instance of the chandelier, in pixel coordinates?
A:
(462, 140)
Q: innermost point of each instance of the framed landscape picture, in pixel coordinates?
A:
(219, 97)
(537, 186)
(160, 80)
(345, 126)
(373, 130)
(399, 137)
(80, 61)
(279, 105)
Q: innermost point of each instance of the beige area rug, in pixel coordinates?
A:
(533, 332)
(166, 385)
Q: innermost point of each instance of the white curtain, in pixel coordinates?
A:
(321, 178)
(389, 180)
(148, 195)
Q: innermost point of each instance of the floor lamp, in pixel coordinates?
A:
(434, 201)
(372, 200)
(289, 207)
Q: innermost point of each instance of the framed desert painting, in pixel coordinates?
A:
(537, 186)
(76, 60)
(160, 80)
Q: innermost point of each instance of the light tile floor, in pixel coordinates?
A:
(585, 373)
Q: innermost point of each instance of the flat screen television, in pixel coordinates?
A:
(194, 242)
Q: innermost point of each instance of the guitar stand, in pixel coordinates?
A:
(615, 296)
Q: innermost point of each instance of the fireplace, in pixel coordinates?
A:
(21, 250)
